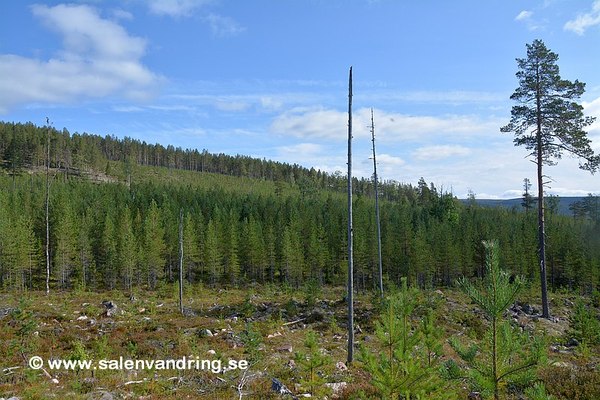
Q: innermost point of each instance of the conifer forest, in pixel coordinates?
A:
(115, 208)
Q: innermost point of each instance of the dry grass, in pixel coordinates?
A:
(258, 324)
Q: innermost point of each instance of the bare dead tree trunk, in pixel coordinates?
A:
(181, 261)
(350, 297)
(375, 183)
(48, 207)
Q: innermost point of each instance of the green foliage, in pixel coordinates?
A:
(247, 308)
(78, 352)
(252, 340)
(505, 356)
(154, 245)
(238, 229)
(311, 363)
(538, 392)
(311, 291)
(24, 324)
(407, 366)
(584, 324)
(548, 102)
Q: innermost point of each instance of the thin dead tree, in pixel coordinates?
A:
(48, 206)
(181, 261)
(350, 297)
(375, 183)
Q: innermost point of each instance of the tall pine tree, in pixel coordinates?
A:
(548, 121)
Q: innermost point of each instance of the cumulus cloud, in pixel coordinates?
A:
(175, 8)
(99, 58)
(389, 160)
(440, 152)
(332, 124)
(306, 123)
(584, 21)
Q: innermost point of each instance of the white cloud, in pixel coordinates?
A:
(99, 58)
(306, 123)
(592, 109)
(524, 15)
(584, 21)
(440, 152)
(332, 124)
(223, 26)
(175, 8)
(389, 160)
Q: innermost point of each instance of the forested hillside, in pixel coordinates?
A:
(246, 220)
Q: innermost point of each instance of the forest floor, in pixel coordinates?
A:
(263, 326)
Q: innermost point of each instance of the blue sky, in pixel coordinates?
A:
(268, 78)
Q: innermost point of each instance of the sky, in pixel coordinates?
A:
(269, 79)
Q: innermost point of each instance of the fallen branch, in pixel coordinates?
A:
(133, 382)
(9, 370)
(294, 322)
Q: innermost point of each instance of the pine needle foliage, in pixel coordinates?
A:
(407, 365)
(505, 357)
(311, 362)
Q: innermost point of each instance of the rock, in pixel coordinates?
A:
(189, 313)
(336, 387)
(573, 342)
(205, 333)
(110, 308)
(286, 348)
(278, 387)
(82, 318)
(100, 395)
(291, 364)
(211, 352)
(474, 396)
(316, 315)
(569, 303)
(341, 366)
(4, 311)
(529, 309)
(233, 340)
(561, 364)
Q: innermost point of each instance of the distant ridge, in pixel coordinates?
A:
(563, 204)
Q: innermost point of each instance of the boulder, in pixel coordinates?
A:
(110, 308)
(278, 387)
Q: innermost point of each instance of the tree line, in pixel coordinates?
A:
(118, 236)
(23, 146)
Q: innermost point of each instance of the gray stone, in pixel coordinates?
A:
(278, 387)
(110, 308)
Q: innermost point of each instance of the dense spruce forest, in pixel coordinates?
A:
(115, 206)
